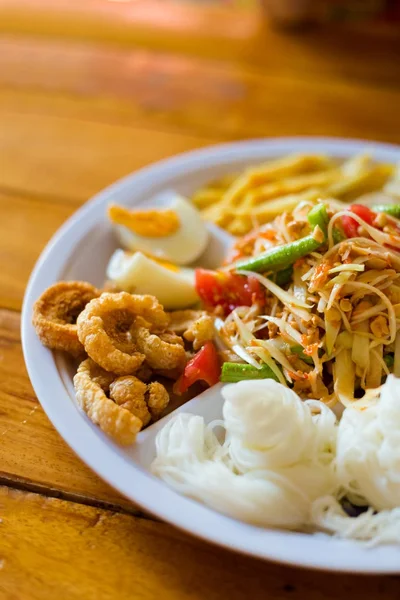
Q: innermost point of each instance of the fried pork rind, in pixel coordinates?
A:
(200, 331)
(56, 311)
(115, 421)
(147, 402)
(144, 373)
(163, 351)
(157, 399)
(172, 374)
(181, 320)
(104, 328)
(101, 377)
(129, 393)
(197, 326)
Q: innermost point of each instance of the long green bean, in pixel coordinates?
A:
(389, 209)
(280, 257)
(318, 215)
(233, 372)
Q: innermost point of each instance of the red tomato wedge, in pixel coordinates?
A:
(350, 226)
(228, 290)
(204, 366)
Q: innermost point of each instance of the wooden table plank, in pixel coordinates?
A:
(71, 158)
(26, 224)
(354, 51)
(206, 97)
(32, 454)
(169, 25)
(51, 548)
(75, 155)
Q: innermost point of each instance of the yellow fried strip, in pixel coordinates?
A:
(244, 221)
(224, 182)
(266, 173)
(371, 180)
(292, 185)
(356, 165)
(207, 197)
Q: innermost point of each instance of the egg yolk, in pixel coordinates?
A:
(147, 223)
(164, 263)
(159, 261)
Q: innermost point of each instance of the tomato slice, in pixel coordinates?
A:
(350, 225)
(204, 366)
(228, 290)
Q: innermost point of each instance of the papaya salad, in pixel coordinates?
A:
(312, 299)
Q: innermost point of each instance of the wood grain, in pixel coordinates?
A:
(354, 52)
(32, 454)
(178, 89)
(166, 25)
(74, 158)
(122, 109)
(50, 548)
(26, 225)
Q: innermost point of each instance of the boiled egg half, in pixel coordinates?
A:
(136, 273)
(175, 232)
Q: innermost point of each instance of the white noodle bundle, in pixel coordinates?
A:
(368, 450)
(368, 468)
(372, 528)
(277, 457)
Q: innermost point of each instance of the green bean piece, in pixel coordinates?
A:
(390, 209)
(389, 360)
(280, 257)
(234, 372)
(283, 277)
(299, 351)
(318, 215)
(337, 236)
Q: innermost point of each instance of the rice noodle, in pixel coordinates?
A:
(277, 457)
(287, 463)
(368, 451)
(396, 366)
(369, 527)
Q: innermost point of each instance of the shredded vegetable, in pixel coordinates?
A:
(331, 311)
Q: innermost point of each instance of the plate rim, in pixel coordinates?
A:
(152, 494)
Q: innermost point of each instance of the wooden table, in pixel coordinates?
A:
(84, 99)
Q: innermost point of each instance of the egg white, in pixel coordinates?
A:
(136, 273)
(182, 247)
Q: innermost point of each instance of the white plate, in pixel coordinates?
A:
(80, 250)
